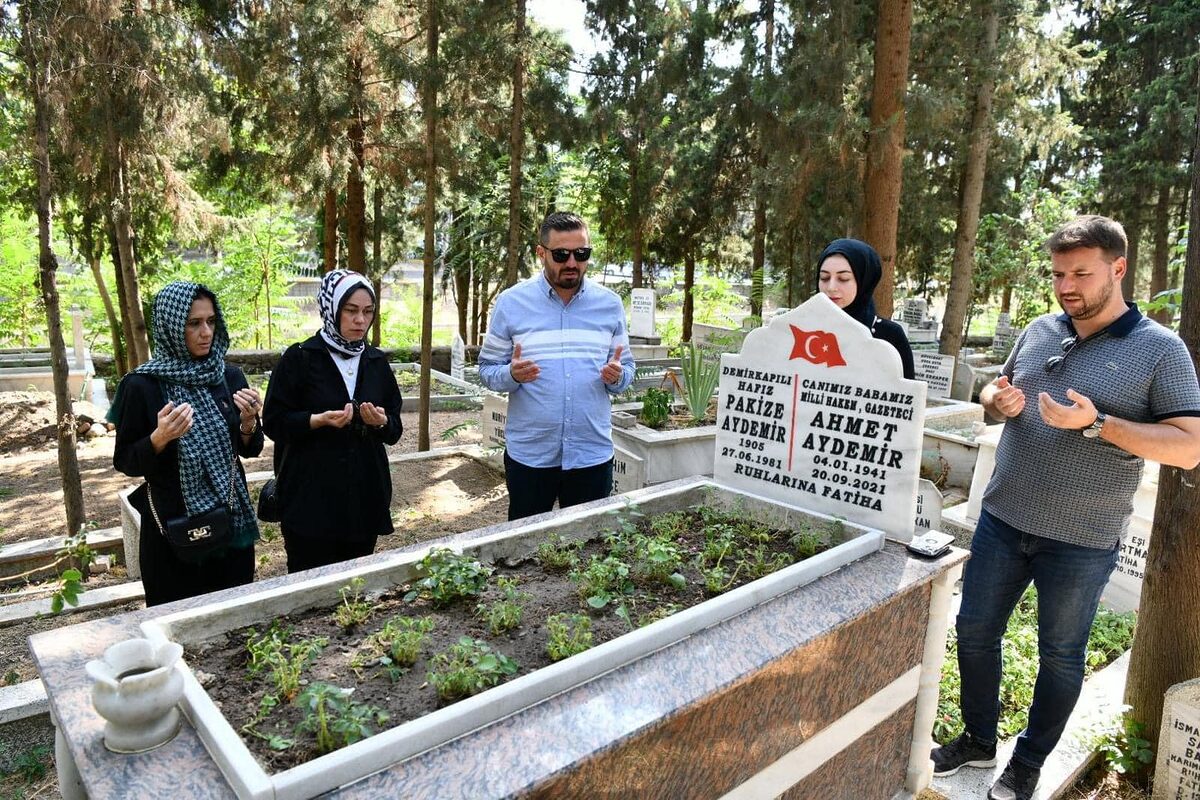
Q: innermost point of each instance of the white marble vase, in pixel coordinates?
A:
(136, 690)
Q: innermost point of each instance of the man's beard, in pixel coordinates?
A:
(1088, 309)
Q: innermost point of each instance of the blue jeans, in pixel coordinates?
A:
(1069, 579)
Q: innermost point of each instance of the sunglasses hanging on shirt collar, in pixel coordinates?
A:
(561, 254)
(1053, 361)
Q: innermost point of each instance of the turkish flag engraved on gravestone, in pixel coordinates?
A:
(819, 347)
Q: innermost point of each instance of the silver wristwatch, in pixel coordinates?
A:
(1093, 431)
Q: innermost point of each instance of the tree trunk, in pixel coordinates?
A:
(885, 151)
(119, 279)
(1133, 232)
(1162, 249)
(476, 291)
(329, 252)
(462, 298)
(516, 147)
(1166, 649)
(970, 194)
(689, 288)
(429, 96)
(791, 267)
(1006, 299)
(68, 459)
(761, 185)
(636, 221)
(377, 262)
(356, 191)
(122, 222)
(110, 313)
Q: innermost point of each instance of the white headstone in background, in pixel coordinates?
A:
(936, 370)
(914, 311)
(816, 413)
(629, 471)
(494, 416)
(1124, 589)
(1177, 772)
(458, 357)
(641, 312)
(78, 345)
(928, 516)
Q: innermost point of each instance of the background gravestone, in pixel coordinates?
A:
(458, 357)
(936, 370)
(816, 413)
(928, 515)
(641, 313)
(494, 416)
(1177, 772)
(629, 471)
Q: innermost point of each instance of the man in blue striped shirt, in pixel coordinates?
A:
(557, 344)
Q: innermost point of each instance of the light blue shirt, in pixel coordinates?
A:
(563, 418)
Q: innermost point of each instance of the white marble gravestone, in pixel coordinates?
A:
(629, 471)
(936, 370)
(1177, 772)
(458, 357)
(494, 416)
(641, 313)
(816, 413)
(928, 516)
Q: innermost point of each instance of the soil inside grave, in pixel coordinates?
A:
(221, 665)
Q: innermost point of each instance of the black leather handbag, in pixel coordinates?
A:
(269, 508)
(197, 537)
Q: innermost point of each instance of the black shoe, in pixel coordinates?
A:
(965, 751)
(1017, 782)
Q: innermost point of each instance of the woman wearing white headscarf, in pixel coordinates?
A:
(180, 418)
(331, 406)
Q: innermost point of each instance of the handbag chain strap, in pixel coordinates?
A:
(228, 499)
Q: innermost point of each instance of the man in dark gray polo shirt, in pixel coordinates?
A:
(1087, 395)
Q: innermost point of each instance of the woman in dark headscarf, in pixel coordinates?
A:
(332, 405)
(849, 271)
(180, 418)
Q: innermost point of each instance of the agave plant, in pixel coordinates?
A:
(701, 373)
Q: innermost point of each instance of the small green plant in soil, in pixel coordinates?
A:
(395, 647)
(333, 720)
(657, 559)
(504, 614)
(354, 609)
(656, 407)
(602, 580)
(567, 634)
(557, 553)
(283, 661)
(807, 543)
(1119, 742)
(31, 765)
(1111, 634)
(467, 668)
(449, 576)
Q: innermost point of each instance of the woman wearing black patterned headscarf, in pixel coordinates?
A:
(332, 406)
(180, 418)
(849, 271)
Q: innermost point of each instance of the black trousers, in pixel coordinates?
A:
(533, 490)
(305, 552)
(166, 578)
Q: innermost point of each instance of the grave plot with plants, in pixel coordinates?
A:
(308, 684)
(377, 663)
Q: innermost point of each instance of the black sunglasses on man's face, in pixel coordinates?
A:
(561, 254)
